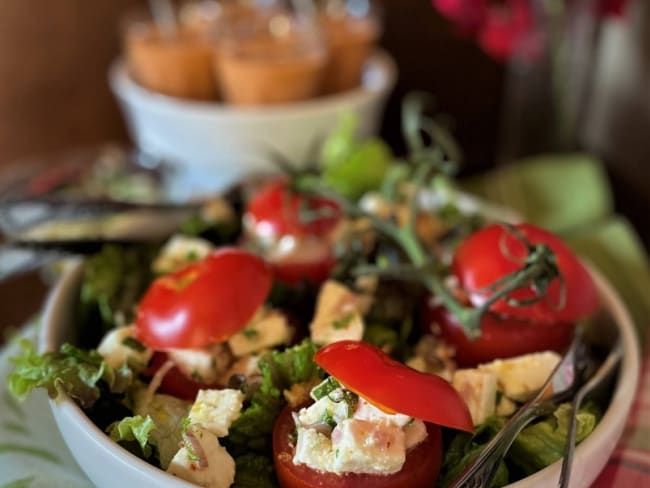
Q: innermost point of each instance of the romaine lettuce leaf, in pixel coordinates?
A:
(254, 471)
(70, 370)
(132, 430)
(542, 443)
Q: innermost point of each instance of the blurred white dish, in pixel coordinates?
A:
(108, 465)
(211, 145)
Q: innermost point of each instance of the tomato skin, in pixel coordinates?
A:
(420, 469)
(480, 261)
(174, 383)
(393, 386)
(203, 303)
(277, 208)
(500, 337)
(274, 212)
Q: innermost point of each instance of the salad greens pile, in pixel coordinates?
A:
(115, 279)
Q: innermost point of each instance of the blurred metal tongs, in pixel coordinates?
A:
(41, 230)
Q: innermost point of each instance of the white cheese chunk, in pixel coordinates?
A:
(367, 411)
(367, 447)
(269, 328)
(180, 251)
(246, 366)
(338, 315)
(522, 377)
(119, 347)
(479, 390)
(220, 469)
(324, 409)
(414, 433)
(314, 450)
(202, 365)
(216, 410)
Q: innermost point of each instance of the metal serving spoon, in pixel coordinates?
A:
(42, 230)
(564, 382)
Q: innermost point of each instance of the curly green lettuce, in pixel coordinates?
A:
(133, 431)
(249, 438)
(72, 371)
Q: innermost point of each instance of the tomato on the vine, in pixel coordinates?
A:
(420, 469)
(501, 337)
(294, 229)
(392, 386)
(203, 303)
(495, 251)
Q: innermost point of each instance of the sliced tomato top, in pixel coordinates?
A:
(203, 303)
(393, 386)
(280, 211)
(494, 252)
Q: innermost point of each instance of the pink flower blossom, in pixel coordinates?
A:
(503, 26)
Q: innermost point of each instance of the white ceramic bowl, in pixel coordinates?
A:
(108, 465)
(211, 145)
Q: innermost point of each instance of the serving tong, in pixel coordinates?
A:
(41, 230)
(573, 378)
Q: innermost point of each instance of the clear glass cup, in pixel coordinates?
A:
(271, 57)
(351, 29)
(177, 62)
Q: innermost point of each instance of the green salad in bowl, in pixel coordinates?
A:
(340, 328)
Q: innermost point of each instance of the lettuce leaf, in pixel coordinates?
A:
(254, 471)
(465, 447)
(132, 430)
(70, 370)
(542, 443)
(249, 439)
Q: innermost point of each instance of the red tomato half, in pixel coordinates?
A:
(204, 303)
(500, 337)
(419, 471)
(174, 383)
(393, 386)
(277, 210)
(493, 252)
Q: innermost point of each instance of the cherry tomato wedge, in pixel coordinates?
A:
(501, 337)
(174, 383)
(393, 386)
(494, 252)
(276, 210)
(420, 469)
(203, 303)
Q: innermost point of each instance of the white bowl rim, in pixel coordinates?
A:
(620, 404)
(127, 89)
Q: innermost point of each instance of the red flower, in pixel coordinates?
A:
(501, 26)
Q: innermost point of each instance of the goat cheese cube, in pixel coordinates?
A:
(267, 329)
(119, 347)
(367, 411)
(216, 410)
(479, 390)
(325, 409)
(314, 450)
(202, 365)
(522, 377)
(180, 251)
(338, 315)
(414, 433)
(212, 467)
(367, 447)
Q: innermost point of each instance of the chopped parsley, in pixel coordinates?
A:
(134, 344)
(343, 322)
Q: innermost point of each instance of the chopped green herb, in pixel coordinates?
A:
(343, 322)
(326, 387)
(134, 344)
(250, 333)
(328, 418)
